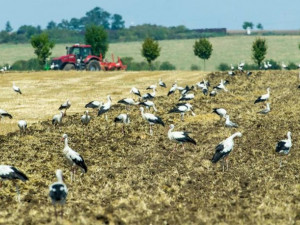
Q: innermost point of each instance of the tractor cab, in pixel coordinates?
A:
(80, 51)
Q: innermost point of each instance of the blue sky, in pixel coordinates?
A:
(273, 14)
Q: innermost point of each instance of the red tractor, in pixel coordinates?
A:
(80, 57)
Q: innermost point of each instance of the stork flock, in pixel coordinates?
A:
(58, 191)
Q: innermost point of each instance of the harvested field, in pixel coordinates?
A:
(134, 179)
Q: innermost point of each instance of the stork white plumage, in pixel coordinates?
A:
(58, 192)
(94, 105)
(173, 89)
(127, 102)
(85, 119)
(148, 104)
(16, 89)
(153, 86)
(182, 108)
(187, 89)
(57, 119)
(135, 91)
(3, 114)
(22, 124)
(220, 112)
(105, 107)
(284, 67)
(223, 149)
(229, 123)
(161, 83)
(264, 97)
(73, 158)
(180, 137)
(266, 110)
(122, 118)
(12, 173)
(149, 95)
(213, 93)
(283, 147)
(65, 106)
(202, 84)
(151, 119)
(187, 97)
(221, 86)
(231, 67)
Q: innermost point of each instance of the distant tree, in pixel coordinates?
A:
(42, 47)
(51, 25)
(75, 24)
(150, 50)
(28, 30)
(259, 26)
(259, 50)
(8, 27)
(97, 16)
(203, 49)
(117, 22)
(247, 24)
(96, 36)
(64, 24)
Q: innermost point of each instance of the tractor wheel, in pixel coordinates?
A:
(93, 65)
(69, 66)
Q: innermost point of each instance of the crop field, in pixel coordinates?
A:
(230, 49)
(135, 179)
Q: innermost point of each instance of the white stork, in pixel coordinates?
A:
(179, 137)
(161, 83)
(58, 192)
(187, 97)
(16, 89)
(122, 118)
(85, 119)
(221, 86)
(229, 123)
(3, 114)
(173, 89)
(105, 107)
(94, 105)
(264, 97)
(152, 119)
(135, 91)
(266, 110)
(127, 102)
(11, 173)
(153, 86)
(220, 112)
(57, 119)
(283, 147)
(224, 148)
(74, 159)
(22, 124)
(213, 93)
(182, 108)
(148, 104)
(149, 95)
(66, 105)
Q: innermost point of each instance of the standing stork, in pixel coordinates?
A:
(220, 112)
(74, 159)
(187, 97)
(94, 105)
(266, 110)
(105, 107)
(173, 89)
(179, 137)
(16, 89)
(224, 148)
(221, 85)
(122, 118)
(127, 102)
(3, 114)
(22, 124)
(58, 192)
(152, 119)
(65, 106)
(182, 108)
(57, 119)
(149, 95)
(264, 97)
(161, 83)
(85, 119)
(153, 86)
(148, 104)
(135, 91)
(283, 147)
(11, 173)
(229, 123)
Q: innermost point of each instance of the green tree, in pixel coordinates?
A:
(96, 36)
(150, 50)
(203, 49)
(8, 27)
(51, 25)
(117, 22)
(247, 24)
(97, 16)
(42, 47)
(259, 26)
(259, 50)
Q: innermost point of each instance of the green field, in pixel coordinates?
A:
(230, 49)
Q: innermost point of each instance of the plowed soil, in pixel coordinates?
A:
(135, 179)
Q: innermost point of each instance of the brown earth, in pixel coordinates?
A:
(135, 180)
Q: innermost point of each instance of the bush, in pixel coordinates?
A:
(251, 67)
(195, 67)
(292, 66)
(223, 67)
(275, 65)
(167, 66)
(31, 64)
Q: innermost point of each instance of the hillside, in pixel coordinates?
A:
(229, 49)
(134, 179)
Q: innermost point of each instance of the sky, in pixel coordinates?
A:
(194, 14)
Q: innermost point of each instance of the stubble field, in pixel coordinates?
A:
(134, 179)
